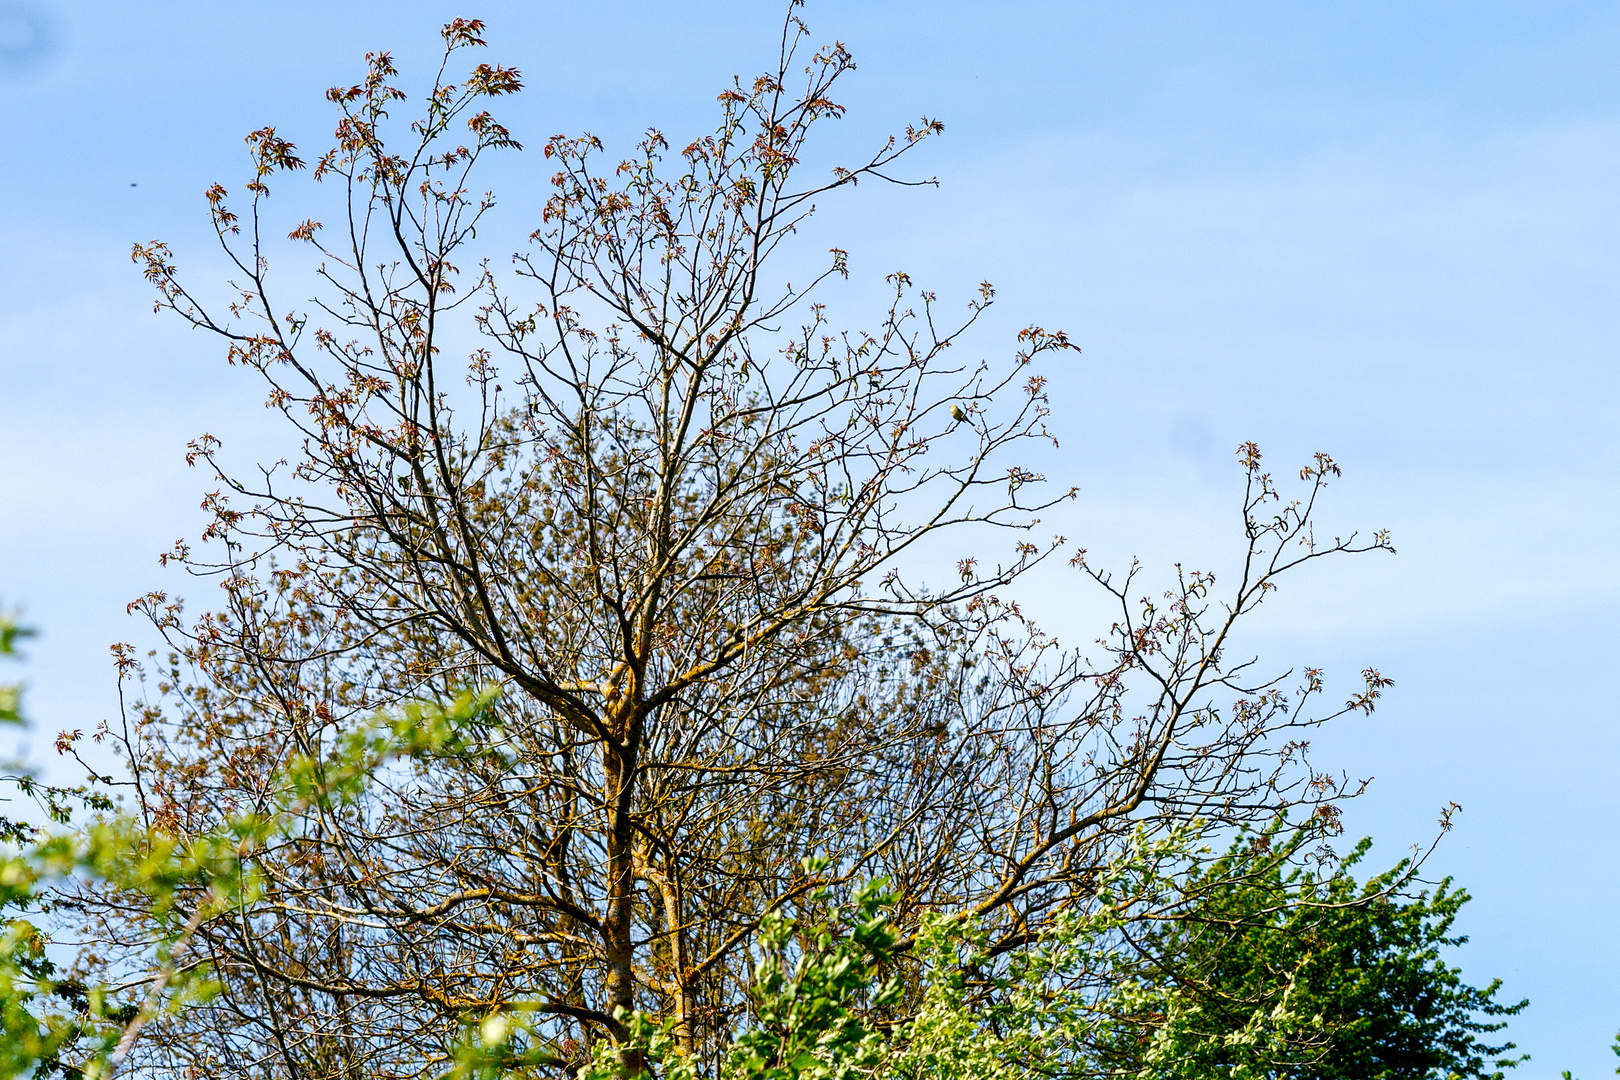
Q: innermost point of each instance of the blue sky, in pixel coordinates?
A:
(1384, 230)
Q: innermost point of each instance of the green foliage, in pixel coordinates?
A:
(44, 1021)
(11, 712)
(10, 693)
(1281, 973)
(990, 1012)
(817, 988)
(812, 1013)
(37, 1013)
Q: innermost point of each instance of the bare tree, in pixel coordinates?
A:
(675, 536)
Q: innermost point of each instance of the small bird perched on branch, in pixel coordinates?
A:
(958, 415)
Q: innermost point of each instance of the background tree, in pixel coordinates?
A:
(676, 536)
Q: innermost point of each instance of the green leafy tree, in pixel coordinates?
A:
(1283, 971)
(1269, 961)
